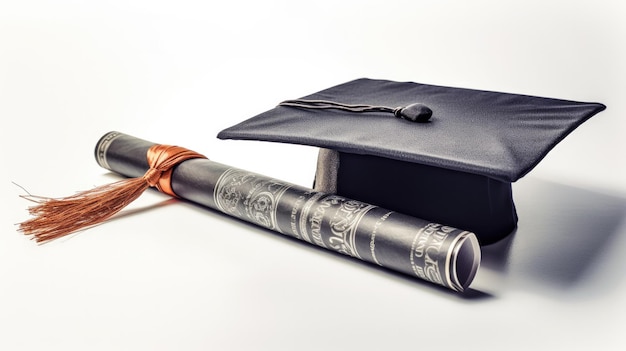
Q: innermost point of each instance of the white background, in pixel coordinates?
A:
(172, 276)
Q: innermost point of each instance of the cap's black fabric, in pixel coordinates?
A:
(480, 140)
(468, 201)
(499, 135)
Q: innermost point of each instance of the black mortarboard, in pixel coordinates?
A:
(450, 157)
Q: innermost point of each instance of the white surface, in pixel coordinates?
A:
(172, 276)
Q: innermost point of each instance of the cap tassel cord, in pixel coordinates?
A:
(414, 112)
(58, 217)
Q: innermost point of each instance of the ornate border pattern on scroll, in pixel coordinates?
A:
(246, 195)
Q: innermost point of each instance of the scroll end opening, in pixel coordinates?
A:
(465, 261)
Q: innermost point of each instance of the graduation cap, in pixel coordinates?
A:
(448, 155)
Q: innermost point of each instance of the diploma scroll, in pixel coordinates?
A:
(433, 252)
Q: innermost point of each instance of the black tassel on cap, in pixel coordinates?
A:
(418, 113)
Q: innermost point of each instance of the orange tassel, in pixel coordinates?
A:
(55, 218)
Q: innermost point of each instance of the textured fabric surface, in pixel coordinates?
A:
(498, 135)
(456, 169)
(468, 201)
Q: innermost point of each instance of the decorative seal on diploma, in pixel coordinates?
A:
(433, 252)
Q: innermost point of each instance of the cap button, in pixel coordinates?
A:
(414, 112)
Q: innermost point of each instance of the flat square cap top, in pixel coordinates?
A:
(498, 135)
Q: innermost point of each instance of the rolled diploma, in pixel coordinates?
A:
(433, 252)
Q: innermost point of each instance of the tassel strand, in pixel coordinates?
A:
(58, 217)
